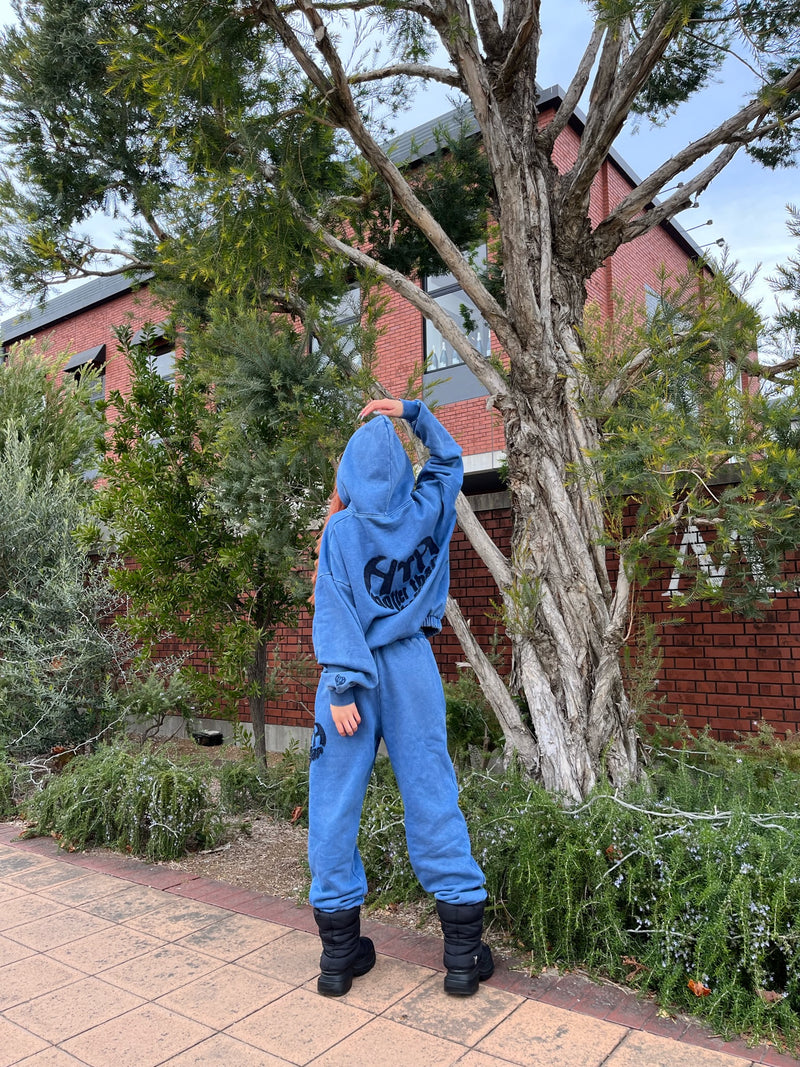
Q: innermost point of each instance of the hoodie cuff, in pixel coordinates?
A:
(410, 410)
(340, 700)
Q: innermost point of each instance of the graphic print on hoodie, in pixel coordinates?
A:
(384, 562)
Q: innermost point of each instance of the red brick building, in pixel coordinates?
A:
(718, 670)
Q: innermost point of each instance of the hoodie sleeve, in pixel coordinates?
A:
(339, 643)
(444, 467)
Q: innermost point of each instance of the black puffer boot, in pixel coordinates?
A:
(467, 959)
(345, 953)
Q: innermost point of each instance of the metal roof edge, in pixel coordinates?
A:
(79, 298)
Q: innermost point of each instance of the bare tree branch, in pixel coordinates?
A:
(337, 90)
(613, 93)
(518, 737)
(772, 372)
(528, 28)
(488, 26)
(576, 88)
(732, 133)
(410, 70)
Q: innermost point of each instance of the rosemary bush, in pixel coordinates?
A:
(280, 789)
(7, 807)
(138, 802)
(687, 886)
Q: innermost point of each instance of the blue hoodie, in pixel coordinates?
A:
(384, 564)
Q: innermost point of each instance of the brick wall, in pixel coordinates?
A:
(718, 670)
(95, 325)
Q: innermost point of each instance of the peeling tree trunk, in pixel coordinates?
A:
(565, 623)
(257, 678)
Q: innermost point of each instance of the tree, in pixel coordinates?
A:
(59, 418)
(61, 657)
(212, 485)
(266, 124)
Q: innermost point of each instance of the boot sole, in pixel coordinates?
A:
(465, 983)
(336, 985)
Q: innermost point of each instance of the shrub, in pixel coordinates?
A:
(60, 653)
(690, 877)
(137, 802)
(7, 806)
(280, 789)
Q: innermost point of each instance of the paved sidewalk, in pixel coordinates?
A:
(111, 962)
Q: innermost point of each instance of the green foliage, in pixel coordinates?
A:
(693, 875)
(455, 186)
(212, 485)
(7, 806)
(160, 690)
(60, 420)
(687, 438)
(56, 112)
(134, 801)
(60, 655)
(281, 788)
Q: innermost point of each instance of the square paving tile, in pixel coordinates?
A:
(224, 1051)
(292, 958)
(159, 971)
(98, 952)
(45, 876)
(540, 1033)
(16, 1043)
(51, 1057)
(32, 977)
(639, 1048)
(11, 951)
(480, 1059)
(233, 936)
(462, 1019)
(82, 890)
(67, 925)
(69, 1011)
(384, 1042)
(176, 918)
(143, 1037)
(7, 891)
(25, 909)
(129, 902)
(300, 1026)
(388, 982)
(11, 859)
(224, 996)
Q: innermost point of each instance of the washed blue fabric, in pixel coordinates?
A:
(384, 562)
(381, 589)
(406, 710)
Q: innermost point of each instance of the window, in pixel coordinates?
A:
(162, 351)
(447, 379)
(445, 290)
(91, 357)
(346, 314)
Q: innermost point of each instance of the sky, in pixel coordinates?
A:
(746, 203)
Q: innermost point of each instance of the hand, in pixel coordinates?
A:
(345, 719)
(387, 406)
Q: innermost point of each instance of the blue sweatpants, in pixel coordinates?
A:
(407, 710)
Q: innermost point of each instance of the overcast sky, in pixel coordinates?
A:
(746, 202)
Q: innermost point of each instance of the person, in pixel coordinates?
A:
(380, 592)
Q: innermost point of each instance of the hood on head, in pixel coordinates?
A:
(375, 474)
